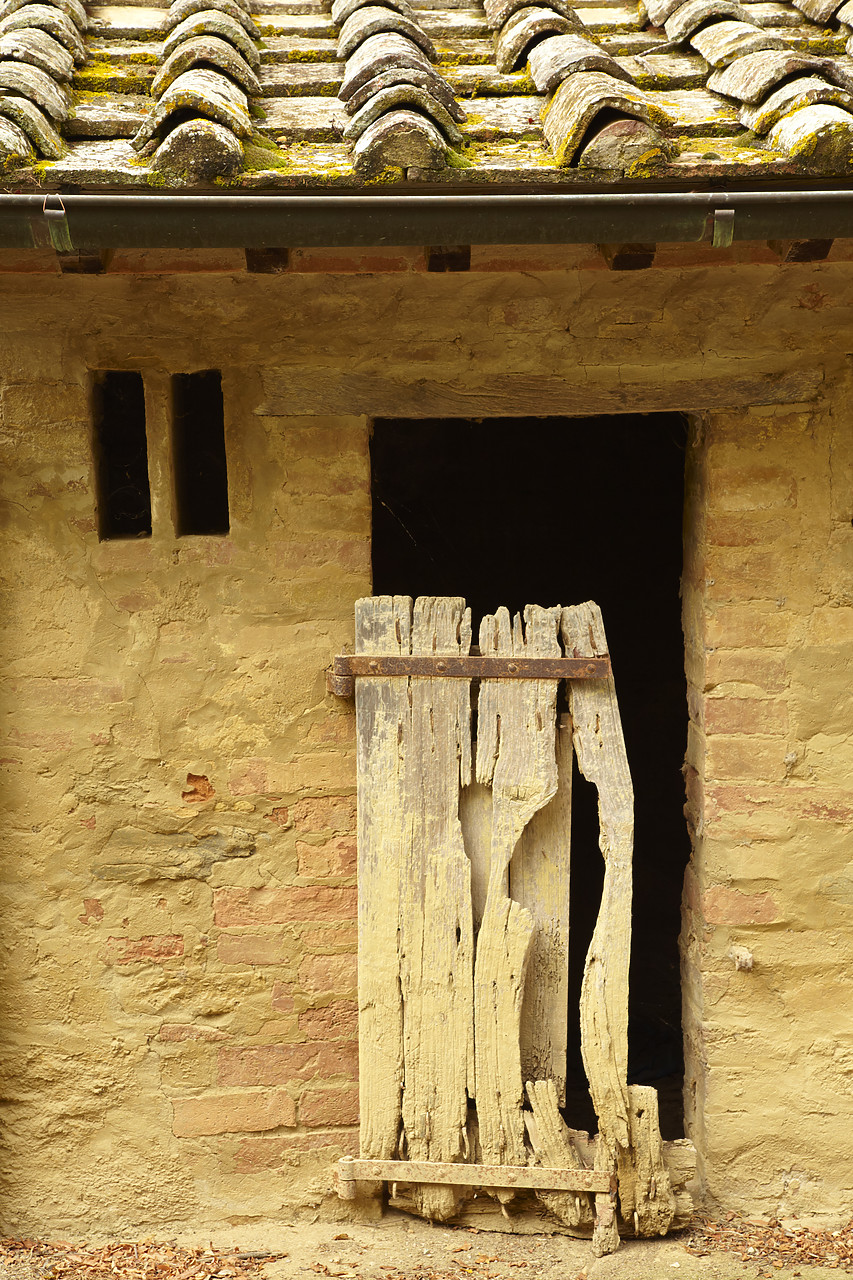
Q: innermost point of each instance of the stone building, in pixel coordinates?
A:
(303, 306)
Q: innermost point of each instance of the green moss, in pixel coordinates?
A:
(310, 55)
(103, 76)
(262, 157)
(456, 160)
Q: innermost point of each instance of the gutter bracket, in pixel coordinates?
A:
(57, 225)
(723, 228)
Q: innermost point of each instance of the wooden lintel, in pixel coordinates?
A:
(326, 391)
(351, 1171)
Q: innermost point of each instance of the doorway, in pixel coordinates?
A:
(507, 511)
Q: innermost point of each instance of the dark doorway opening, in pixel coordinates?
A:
(547, 511)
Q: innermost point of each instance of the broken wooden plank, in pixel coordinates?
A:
(539, 875)
(515, 754)
(382, 625)
(435, 926)
(553, 1147)
(627, 1120)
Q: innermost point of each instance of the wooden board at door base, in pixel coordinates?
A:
(463, 926)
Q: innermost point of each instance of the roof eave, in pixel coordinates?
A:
(93, 222)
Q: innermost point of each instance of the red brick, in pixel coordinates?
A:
(735, 666)
(92, 909)
(199, 789)
(283, 906)
(334, 858)
(282, 997)
(157, 947)
(175, 1032)
(347, 555)
(328, 1108)
(748, 759)
(280, 816)
(249, 778)
(330, 937)
(751, 488)
(746, 715)
(337, 1021)
(232, 1113)
(748, 530)
(325, 813)
(249, 948)
(257, 1154)
(280, 1064)
(329, 973)
(723, 905)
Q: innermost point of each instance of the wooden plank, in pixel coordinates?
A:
(382, 625)
(325, 390)
(571, 1178)
(602, 760)
(515, 754)
(539, 881)
(435, 926)
(627, 1121)
(553, 1147)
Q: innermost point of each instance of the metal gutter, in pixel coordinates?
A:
(90, 223)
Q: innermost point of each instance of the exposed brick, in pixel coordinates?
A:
(279, 1064)
(347, 555)
(157, 947)
(249, 948)
(334, 858)
(234, 907)
(328, 973)
(745, 758)
(280, 816)
(255, 1155)
(330, 937)
(748, 627)
(325, 813)
(723, 905)
(337, 1021)
(282, 997)
(232, 1113)
(747, 530)
(199, 789)
(175, 1032)
(249, 778)
(328, 1108)
(753, 488)
(746, 715)
(92, 910)
(735, 666)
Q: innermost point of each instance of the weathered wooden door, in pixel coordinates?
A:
(464, 795)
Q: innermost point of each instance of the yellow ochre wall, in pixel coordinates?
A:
(178, 888)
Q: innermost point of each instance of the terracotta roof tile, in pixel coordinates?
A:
(313, 95)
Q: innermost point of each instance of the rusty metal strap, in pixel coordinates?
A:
(351, 1171)
(468, 667)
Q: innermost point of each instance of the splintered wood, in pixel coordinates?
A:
(464, 918)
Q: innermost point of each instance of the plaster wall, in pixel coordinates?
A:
(178, 938)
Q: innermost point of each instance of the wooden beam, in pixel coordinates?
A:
(328, 390)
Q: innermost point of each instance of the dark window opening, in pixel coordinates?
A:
(121, 455)
(198, 451)
(546, 511)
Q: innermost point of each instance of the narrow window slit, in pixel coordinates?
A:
(121, 455)
(198, 450)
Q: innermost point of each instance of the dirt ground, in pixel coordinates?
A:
(402, 1248)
